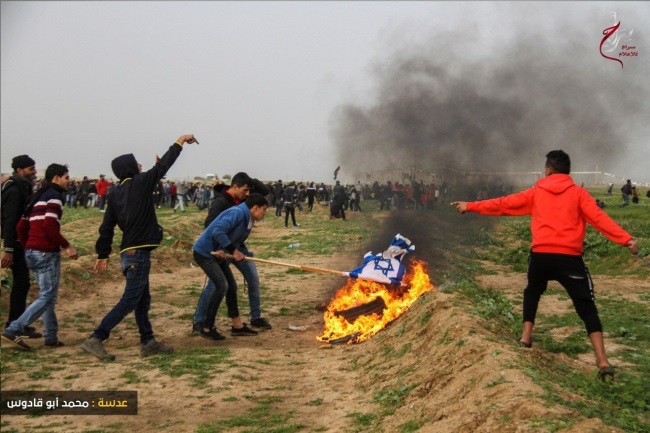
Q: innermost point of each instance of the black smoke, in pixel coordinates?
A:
(501, 109)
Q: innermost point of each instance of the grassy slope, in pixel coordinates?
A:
(623, 404)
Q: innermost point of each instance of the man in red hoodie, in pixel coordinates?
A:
(560, 210)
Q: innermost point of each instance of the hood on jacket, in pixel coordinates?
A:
(125, 166)
(220, 188)
(556, 183)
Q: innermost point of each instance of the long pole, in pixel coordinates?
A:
(643, 260)
(307, 268)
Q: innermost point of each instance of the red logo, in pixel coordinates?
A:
(613, 36)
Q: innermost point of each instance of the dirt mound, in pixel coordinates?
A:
(436, 368)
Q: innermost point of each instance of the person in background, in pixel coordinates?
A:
(102, 191)
(289, 198)
(181, 190)
(83, 192)
(71, 197)
(626, 191)
(311, 195)
(278, 190)
(560, 210)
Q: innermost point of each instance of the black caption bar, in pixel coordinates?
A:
(38, 403)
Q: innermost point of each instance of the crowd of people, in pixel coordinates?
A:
(31, 233)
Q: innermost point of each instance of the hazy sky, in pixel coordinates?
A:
(259, 83)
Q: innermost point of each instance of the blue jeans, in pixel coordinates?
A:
(47, 270)
(220, 282)
(249, 271)
(136, 265)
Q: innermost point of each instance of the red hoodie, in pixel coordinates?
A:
(560, 210)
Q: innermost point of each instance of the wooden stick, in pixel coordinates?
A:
(305, 268)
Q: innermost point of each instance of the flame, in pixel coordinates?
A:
(360, 292)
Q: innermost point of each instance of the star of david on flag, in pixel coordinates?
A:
(386, 267)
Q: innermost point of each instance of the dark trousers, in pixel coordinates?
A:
(289, 209)
(20, 286)
(136, 265)
(573, 275)
(220, 282)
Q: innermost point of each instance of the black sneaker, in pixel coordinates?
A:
(209, 334)
(17, 340)
(55, 343)
(30, 332)
(244, 331)
(261, 322)
(214, 334)
(198, 327)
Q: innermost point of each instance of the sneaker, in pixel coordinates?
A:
(210, 334)
(94, 346)
(55, 343)
(245, 331)
(198, 327)
(214, 334)
(30, 332)
(17, 340)
(296, 225)
(153, 347)
(261, 322)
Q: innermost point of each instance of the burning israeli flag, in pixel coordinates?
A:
(386, 267)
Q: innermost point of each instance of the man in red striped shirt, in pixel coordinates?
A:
(42, 240)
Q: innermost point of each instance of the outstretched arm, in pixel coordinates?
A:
(461, 206)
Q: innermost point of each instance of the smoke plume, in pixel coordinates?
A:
(436, 105)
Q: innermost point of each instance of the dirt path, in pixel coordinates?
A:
(459, 377)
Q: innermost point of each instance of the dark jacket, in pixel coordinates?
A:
(223, 201)
(15, 192)
(627, 188)
(130, 204)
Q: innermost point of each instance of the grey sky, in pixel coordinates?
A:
(256, 82)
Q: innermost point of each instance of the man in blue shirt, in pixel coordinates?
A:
(226, 233)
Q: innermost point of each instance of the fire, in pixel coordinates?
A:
(360, 292)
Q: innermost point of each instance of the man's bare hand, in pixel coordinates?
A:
(633, 247)
(461, 206)
(72, 252)
(238, 256)
(7, 259)
(101, 266)
(221, 254)
(187, 139)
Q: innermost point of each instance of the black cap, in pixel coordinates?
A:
(22, 161)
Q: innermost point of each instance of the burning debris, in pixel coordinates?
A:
(362, 308)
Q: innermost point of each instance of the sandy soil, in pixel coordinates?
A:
(464, 379)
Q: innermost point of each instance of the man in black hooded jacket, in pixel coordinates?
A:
(131, 207)
(15, 192)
